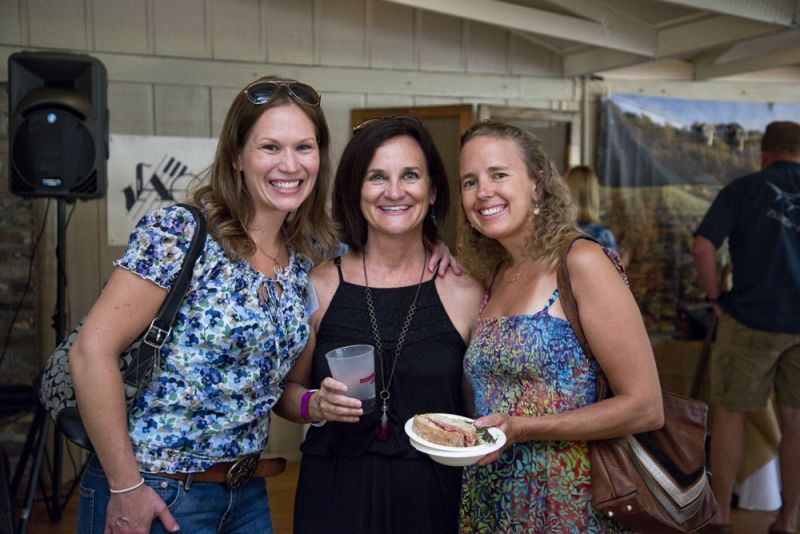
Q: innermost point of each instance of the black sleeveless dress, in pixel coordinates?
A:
(350, 481)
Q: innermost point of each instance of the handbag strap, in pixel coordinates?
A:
(568, 302)
(160, 327)
(570, 307)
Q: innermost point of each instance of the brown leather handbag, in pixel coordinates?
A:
(653, 482)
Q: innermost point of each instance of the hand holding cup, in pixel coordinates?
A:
(354, 366)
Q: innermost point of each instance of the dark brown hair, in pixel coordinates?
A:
(225, 197)
(353, 167)
(782, 137)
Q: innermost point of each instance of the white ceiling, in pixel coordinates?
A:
(712, 38)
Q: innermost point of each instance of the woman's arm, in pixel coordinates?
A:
(124, 309)
(615, 331)
(329, 403)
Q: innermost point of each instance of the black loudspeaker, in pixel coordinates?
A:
(57, 125)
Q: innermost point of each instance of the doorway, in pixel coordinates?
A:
(559, 131)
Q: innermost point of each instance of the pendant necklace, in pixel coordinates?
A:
(276, 264)
(520, 270)
(385, 429)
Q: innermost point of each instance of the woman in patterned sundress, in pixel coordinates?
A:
(530, 377)
(241, 326)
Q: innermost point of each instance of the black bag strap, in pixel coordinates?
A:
(160, 327)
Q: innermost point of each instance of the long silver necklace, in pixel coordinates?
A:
(385, 428)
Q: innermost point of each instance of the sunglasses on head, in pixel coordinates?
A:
(398, 118)
(264, 91)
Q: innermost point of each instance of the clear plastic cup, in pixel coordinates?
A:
(355, 366)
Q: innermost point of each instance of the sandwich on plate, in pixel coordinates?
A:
(445, 430)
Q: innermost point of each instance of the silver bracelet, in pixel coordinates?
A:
(126, 490)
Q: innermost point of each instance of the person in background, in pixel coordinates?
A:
(758, 338)
(359, 473)
(585, 188)
(530, 377)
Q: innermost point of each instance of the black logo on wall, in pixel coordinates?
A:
(155, 185)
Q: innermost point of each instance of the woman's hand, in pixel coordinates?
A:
(503, 422)
(440, 255)
(134, 511)
(332, 404)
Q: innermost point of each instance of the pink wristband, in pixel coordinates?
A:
(304, 403)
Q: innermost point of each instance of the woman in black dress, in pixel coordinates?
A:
(359, 472)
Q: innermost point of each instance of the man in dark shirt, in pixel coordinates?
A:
(758, 340)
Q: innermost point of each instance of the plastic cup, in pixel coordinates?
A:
(355, 366)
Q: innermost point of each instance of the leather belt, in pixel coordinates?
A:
(235, 474)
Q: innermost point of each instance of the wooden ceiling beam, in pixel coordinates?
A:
(783, 12)
(541, 22)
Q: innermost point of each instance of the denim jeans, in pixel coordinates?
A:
(198, 507)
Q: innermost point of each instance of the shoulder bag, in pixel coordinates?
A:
(136, 363)
(654, 482)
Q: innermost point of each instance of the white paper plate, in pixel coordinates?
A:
(457, 456)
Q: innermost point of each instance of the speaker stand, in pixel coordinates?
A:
(39, 428)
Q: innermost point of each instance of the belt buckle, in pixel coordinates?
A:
(241, 471)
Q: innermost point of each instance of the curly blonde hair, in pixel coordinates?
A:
(550, 229)
(225, 198)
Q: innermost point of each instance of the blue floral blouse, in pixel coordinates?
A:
(224, 365)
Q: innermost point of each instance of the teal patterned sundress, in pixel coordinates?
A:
(530, 365)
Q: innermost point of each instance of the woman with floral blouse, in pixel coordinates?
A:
(172, 461)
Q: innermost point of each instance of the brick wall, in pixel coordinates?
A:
(21, 363)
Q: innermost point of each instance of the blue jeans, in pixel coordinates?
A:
(198, 507)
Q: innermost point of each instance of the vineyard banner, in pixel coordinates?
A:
(661, 162)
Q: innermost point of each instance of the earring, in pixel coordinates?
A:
(536, 209)
(432, 217)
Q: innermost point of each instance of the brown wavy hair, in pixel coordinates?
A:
(549, 230)
(228, 204)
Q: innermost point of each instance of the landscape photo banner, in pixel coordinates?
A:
(146, 172)
(661, 161)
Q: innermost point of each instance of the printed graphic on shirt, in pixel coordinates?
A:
(785, 208)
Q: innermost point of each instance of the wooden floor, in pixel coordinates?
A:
(281, 497)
